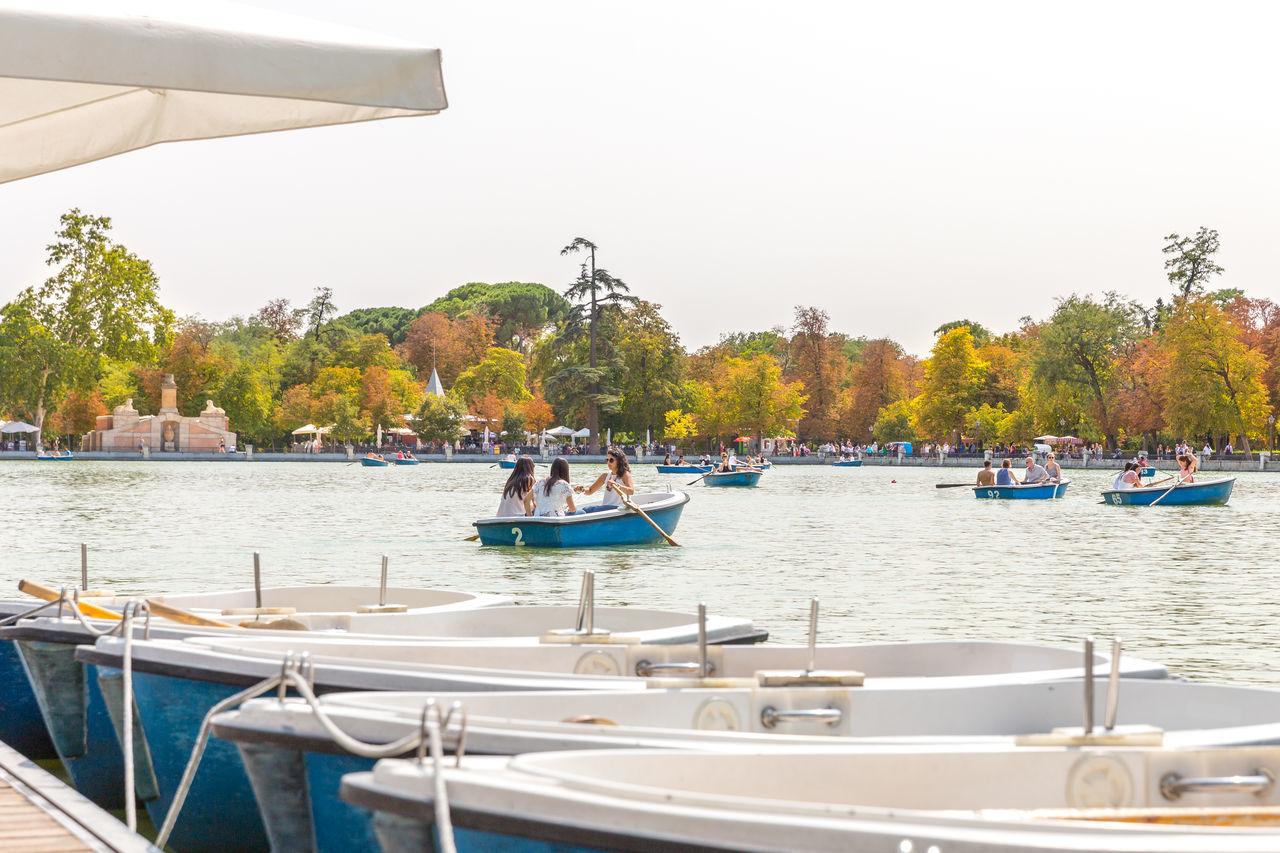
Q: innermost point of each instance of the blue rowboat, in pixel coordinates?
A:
(373, 463)
(507, 463)
(1148, 472)
(683, 469)
(50, 458)
(733, 478)
(848, 463)
(592, 528)
(406, 461)
(1033, 492)
(1208, 493)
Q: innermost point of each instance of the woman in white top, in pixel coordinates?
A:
(619, 472)
(517, 495)
(553, 495)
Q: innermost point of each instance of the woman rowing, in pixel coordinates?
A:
(1187, 468)
(619, 473)
(517, 494)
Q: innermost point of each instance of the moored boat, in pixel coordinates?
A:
(1206, 493)
(732, 478)
(959, 799)
(595, 527)
(1033, 492)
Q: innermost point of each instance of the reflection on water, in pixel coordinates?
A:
(1193, 587)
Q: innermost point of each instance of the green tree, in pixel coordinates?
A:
(750, 396)
(512, 427)
(320, 310)
(981, 335)
(247, 402)
(439, 419)
(1190, 263)
(895, 423)
(593, 289)
(954, 379)
(520, 310)
(1079, 351)
(652, 363)
(101, 303)
(501, 374)
(391, 323)
(1211, 381)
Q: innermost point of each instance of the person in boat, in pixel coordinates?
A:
(666, 460)
(1035, 472)
(680, 461)
(510, 457)
(986, 477)
(553, 495)
(1186, 468)
(724, 467)
(375, 456)
(619, 472)
(1052, 468)
(517, 494)
(1005, 477)
(1128, 478)
(1140, 463)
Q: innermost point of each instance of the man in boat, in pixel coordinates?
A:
(986, 477)
(1035, 473)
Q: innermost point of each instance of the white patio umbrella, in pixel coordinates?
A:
(562, 431)
(81, 80)
(18, 426)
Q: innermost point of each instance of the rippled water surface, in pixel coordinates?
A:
(1196, 588)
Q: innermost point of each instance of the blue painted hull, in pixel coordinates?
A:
(407, 461)
(506, 463)
(53, 458)
(220, 813)
(683, 469)
(856, 463)
(583, 531)
(733, 478)
(1212, 493)
(21, 725)
(373, 463)
(1038, 492)
(1148, 472)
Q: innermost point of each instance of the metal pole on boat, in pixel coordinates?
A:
(382, 589)
(703, 670)
(586, 604)
(813, 632)
(1113, 686)
(257, 581)
(84, 566)
(1088, 685)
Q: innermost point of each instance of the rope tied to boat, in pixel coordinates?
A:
(297, 672)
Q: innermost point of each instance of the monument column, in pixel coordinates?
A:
(169, 416)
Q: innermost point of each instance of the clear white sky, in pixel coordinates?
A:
(900, 165)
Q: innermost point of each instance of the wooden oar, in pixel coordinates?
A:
(46, 594)
(704, 473)
(1168, 490)
(159, 608)
(952, 485)
(631, 505)
(472, 538)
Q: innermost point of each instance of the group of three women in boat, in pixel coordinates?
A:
(551, 496)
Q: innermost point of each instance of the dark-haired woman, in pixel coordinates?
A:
(619, 472)
(553, 494)
(517, 495)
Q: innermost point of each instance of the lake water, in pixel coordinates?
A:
(1195, 588)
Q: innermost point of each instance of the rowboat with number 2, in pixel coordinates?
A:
(597, 526)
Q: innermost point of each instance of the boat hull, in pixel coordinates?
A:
(507, 463)
(683, 469)
(733, 478)
(852, 463)
(1036, 492)
(588, 530)
(406, 461)
(1212, 493)
(373, 463)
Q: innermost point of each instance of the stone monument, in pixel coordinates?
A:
(166, 432)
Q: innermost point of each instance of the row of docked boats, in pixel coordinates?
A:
(599, 728)
(1205, 493)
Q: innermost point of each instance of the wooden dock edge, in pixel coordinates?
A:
(93, 826)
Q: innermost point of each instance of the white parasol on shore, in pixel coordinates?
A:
(81, 80)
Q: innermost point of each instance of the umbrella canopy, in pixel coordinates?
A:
(81, 80)
(742, 438)
(1047, 439)
(312, 429)
(582, 433)
(560, 430)
(1070, 439)
(19, 426)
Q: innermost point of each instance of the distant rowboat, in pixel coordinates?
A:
(848, 463)
(1208, 493)
(373, 463)
(683, 469)
(506, 463)
(55, 458)
(733, 478)
(601, 527)
(406, 461)
(1033, 492)
(1148, 472)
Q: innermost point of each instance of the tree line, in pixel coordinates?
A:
(517, 356)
